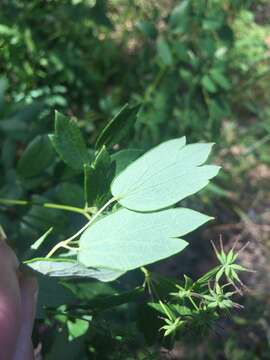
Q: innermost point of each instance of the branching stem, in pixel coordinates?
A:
(65, 243)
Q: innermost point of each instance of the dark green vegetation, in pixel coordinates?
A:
(194, 67)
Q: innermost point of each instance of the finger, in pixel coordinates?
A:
(8, 259)
(29, 290)
(10, 301)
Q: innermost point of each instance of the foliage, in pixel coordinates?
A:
(50, 60)
(122, 231)
(181, 61)
(198, 68)
(145, 185)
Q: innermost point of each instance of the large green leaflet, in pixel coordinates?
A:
(164, 175)
(126, 240)
(69, 143)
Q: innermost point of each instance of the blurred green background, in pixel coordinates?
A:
(199, 68)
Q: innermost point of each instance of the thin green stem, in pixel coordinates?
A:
(152, 87)
(193, 303)
(92, 220)
(86, 168)
(67, 208)
(13, 202)
(67, 241)
(46, 205)
(70, 247)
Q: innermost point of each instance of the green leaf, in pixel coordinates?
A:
(52, 294)
(164, 175)
(66, 268)
(208, 84)
(179, 15)
(69, 143)
(91, 291)
(126, 240)
(125, 157)
(37, 157)
(69, 194)
(98, 178)
(147, 28)
(40, 241)
(103, 301)
(220, 79)
(118, 127)
(164, 52)
(77, 328)
(181, 310)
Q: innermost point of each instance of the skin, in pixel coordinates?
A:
(18, 295)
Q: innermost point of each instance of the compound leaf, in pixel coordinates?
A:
(164, 175)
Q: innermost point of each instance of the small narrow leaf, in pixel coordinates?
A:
(164, 52)
(40, 241)
(126, 240)
(179, 14)
(220, 79)
(164, 175)
(69, 143)
(118, 127)
(208, 84)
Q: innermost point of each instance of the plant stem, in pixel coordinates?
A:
(67, 208)
(193, 303)
(13, 202)
(86, 168)
(64, 243)
(46, 205)
(70, 247)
